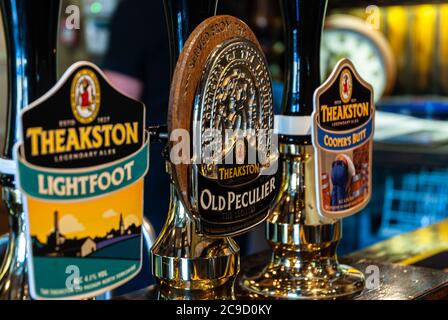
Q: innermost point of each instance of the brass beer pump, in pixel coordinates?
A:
(213, 87)
(304, 264)
(188, 265)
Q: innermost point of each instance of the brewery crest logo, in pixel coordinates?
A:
(85, 96)
(345, 86)
(343, 125)
(81, 166)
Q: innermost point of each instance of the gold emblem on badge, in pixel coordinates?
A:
(85, 96)
(345, 86)
(240, 148)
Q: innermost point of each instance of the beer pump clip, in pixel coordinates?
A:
(342, 130)
(227, 108)
(81, 175)
(221, 82)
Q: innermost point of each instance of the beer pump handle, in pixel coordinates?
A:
(182, 17)
(303, 23)
(31, 29)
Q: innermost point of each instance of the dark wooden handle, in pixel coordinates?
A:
(31, 29)
(187, 76)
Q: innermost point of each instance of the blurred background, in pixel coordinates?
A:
(402, 50)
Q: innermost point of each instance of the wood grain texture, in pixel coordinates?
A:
(187, 76)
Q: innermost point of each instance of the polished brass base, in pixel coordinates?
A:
(294, 276)
(343, 282)
(197, 273)
(221, 292)
(185, 260)
(306, 272)
(304, 263)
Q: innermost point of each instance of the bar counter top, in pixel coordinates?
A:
(397, 282)
(411, 248)
(397, 259)
(413, 265)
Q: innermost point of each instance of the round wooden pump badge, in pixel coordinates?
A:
(220, 119)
